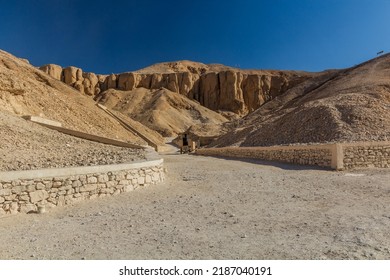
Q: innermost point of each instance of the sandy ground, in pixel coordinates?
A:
(210, 208)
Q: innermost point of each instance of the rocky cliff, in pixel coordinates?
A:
(214, 86)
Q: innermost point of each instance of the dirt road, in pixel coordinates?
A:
(211, 208)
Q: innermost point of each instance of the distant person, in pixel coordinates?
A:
(184, 147)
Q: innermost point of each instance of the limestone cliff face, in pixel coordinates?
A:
(223, 88)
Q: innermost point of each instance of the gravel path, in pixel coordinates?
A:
(211, 208)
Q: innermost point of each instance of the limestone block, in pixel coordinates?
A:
(123, 182)
(148, 179)
(111, 184)
(61, 200)
(76, 184)
(14, 207)
(5, 192)
(57, 184)
(40, 186)
(121, 176)
(141, 180)
(103, 190)
(92, 180)
(48, 185)
(102, 178)
(38, 195)
(10, 197)
(65, 188)
(83, 179)
(6, 206)
(2, 199)
(116, 192)
(27, 208)
(88, 187)
(24, 198)
(16, 189)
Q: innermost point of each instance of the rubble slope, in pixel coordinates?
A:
(346, 105)
(162, 110)
(25, 90)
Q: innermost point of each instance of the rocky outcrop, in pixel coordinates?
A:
(53, 70)
(229, 89)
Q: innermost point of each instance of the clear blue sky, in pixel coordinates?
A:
(116, 36)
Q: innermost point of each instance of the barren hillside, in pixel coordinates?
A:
(26, 145)
(346, 105)
(162, 110)
(25, 90)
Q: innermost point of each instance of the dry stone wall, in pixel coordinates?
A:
(339, 156)
(27, 195)
(367, 155)
(320, 155)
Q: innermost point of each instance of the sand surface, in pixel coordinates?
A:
(210, 208)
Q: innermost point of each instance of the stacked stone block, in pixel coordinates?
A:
(367, 156)
(300, 155)
(27, 195)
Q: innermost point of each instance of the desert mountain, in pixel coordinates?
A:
(343, 105)
(162, 110)
(215, 86)
(284, 106)
(25, 90)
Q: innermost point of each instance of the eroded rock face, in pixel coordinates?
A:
(53, 70)
(72, 75)
(234, 90)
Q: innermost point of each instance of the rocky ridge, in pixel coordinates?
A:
(217, 87)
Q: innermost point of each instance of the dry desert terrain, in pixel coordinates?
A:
(216, 208)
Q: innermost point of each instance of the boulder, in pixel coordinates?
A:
(53, 70)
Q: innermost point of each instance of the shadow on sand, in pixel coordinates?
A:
(281, 165)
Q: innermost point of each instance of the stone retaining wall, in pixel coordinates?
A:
(339, 156)
(25, 191)
(363, 155)
(320, 155)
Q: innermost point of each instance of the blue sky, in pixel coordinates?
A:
(116, 36)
